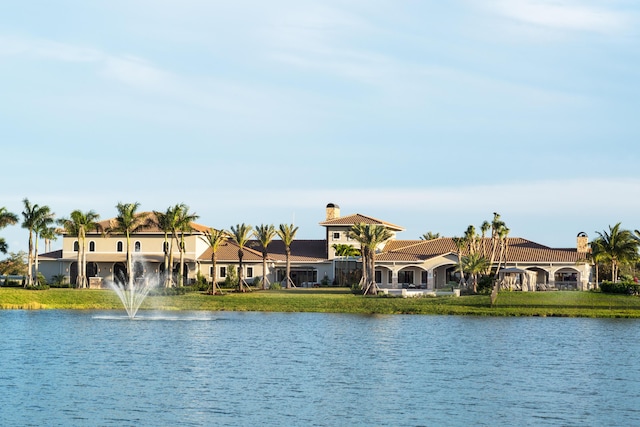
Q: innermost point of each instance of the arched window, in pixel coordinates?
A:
(137, 246)
(119, 246)
(92, 246)
(76, 246)
(165, 247)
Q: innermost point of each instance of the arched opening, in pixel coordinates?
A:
(567, 279)
(92, 269)
(137, 246)
(76, 246)
(73, 273)
(92, 246)
(119, 246)
(120, 272)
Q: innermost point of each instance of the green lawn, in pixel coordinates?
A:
(575, 304)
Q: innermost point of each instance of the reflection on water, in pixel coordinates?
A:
(201, 368)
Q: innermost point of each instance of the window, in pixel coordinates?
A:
(249, 272)
(119, 246)
(211, 271)
(92, 246)
(137, 246)
(76, 246)
(378, 275)
(165, 247)
(390, 280)
(405, 277)
(223, 271)
(336, 236)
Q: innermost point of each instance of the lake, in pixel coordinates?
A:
(98, 368)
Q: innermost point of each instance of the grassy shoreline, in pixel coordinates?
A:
(564, 304)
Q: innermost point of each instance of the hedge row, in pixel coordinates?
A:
(629, 288)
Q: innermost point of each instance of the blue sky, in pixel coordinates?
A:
(428, 114)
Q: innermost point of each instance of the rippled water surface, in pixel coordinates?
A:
(84, 368)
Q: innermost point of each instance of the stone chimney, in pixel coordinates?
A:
(582, 242)
(333, 212)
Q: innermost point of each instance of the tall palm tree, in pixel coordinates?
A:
(497, 228)
(461, 244)
(214, 238)
(484, 227)
(265, 234)
(33, 218)
(287, 233)
(183, 225)
(6, 218)
(596, 256)
(503, 243)
(240, 234)
(619, 247)
(164, 223)
(77, 225)
(43, 228)
(370, 236)
(128, 222)
(471, 239)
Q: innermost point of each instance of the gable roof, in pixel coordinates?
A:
(360, 219)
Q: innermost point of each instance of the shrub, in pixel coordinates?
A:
(626, 287)
(275, 286)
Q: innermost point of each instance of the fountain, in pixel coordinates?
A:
(132, 294)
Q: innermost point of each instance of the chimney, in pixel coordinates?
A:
(582, 242)
(333, 211)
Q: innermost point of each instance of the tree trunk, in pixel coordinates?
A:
(288, 268)
(240, 278)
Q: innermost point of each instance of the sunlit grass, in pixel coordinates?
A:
(337, 300)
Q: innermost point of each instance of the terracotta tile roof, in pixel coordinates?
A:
(152, 226)
(301, 251)
(228, 252)
(519, 250)
(360, 219)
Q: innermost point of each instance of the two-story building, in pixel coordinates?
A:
(428, 264)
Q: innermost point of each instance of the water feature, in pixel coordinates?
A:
(77, 368)
(133, 293)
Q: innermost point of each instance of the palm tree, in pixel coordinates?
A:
(183, 225)
(472, 239)
(497, 228)
(264, 234)
(429, 236)
(460, 243)
(596, 256)
(214, 238)
(370, 236)
(503, 243)
(484, 227)
(6, 218)
(287, 233)
(164, 223)
(77, 225)
(128, 222)
(474, 264)
(240, 234)
(618, 246)
(33, 218)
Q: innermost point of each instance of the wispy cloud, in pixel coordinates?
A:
(563, 15)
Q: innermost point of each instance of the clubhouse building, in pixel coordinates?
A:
(420, 264)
